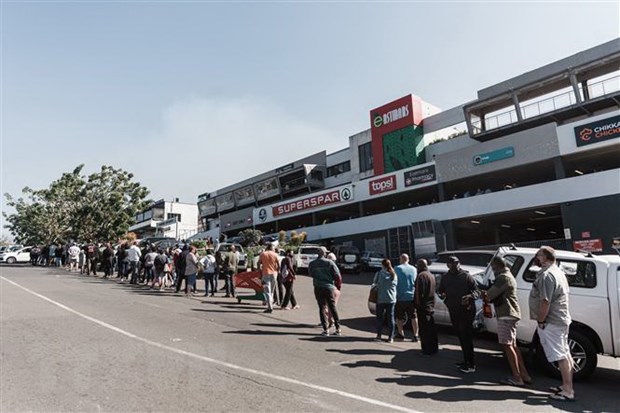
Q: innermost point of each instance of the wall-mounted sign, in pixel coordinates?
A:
(420, 176)
(326, 198)
(598, 131)
(590, 245)
(285, 168)
(385, 184)
(396, 134)
(262, 214)
(494, 156)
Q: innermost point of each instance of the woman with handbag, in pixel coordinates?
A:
(287, 272)
(385, 280)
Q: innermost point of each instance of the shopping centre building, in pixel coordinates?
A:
(533, 160)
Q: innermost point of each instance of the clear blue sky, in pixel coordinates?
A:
(195, 96)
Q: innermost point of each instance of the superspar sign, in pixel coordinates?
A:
(326, 198)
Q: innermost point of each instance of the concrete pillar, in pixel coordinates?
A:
(558, 166)
(361, 209)
(586, 92)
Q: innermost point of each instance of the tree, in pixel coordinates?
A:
(100, 207)
(250, 237)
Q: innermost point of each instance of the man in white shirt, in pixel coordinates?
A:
(134, 255)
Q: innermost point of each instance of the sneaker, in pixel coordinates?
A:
(414, 339)
(467, 369)
(296, 307)
(268, 311)
(325, 333)
(390, 340)
(338, 332)
(399, 337)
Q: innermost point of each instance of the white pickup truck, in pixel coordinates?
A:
(594, 304)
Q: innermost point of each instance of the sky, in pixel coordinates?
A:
(194, 96)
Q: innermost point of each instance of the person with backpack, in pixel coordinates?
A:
(149, 263)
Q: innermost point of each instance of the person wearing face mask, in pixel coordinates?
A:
(503, 295)
(548, 303)
(458, 289)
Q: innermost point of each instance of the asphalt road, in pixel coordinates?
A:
(83, 344)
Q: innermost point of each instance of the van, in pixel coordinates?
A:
(306, 254)
(348, 258)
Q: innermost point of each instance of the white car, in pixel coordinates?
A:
(225, 247)
(20, 255)
(306, 254)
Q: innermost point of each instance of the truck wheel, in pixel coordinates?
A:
(584, 356)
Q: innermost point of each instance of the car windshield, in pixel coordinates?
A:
(309, 250)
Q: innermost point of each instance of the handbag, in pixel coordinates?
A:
(372, 295)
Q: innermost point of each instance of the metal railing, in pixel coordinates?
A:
(551, 104)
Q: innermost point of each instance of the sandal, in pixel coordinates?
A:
(556, 389)
(511, 382)
(562, 397)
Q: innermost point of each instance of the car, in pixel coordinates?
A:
(594, 298)
(225, 247)
(20, 255)
(306, 254)
(371, 260)
(348, 258)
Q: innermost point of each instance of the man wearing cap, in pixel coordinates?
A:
(458, 289)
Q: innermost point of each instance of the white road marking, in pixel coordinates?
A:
(214, 361)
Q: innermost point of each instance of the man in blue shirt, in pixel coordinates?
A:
(405, 309)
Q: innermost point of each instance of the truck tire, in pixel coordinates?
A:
(583, 352)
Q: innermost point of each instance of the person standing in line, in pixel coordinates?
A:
(51, 254)
(134, 254)
(386, 281)
(58, 253)
(149, 266)
(191, 270)
(74, 254)
(179, 264)
(159, 264)
(458, 289)
(548, 304)
(424, 299)
(268, 266)
(503, 295)
(107, 257)
(337, 292)
(326, 280)
(231, 263)
(405, 310)
(208, 262)
(287, 272)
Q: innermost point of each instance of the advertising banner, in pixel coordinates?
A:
(420, 176)
(396, 135)
(598, 131)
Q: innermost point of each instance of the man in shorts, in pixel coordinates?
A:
(549, 307)
(503, 295)
(405, 309)
(269, 267)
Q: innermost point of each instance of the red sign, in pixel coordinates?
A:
(390, 117)
(381, 185)
(585, 234)
(590, 245)
(315, 201)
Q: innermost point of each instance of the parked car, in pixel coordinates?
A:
(371, 260)
(475, 258)
(348, 257)
(19, 255)
(225, 247)
(594, 299)
(307, 253)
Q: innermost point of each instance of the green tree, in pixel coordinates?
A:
(250, 237)
(100, 207)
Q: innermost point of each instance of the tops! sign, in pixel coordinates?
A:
(381, 185)
(598, 131)
(326, 198)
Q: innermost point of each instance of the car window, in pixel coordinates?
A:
(578, 273)
(26, 250)
(514, 263)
